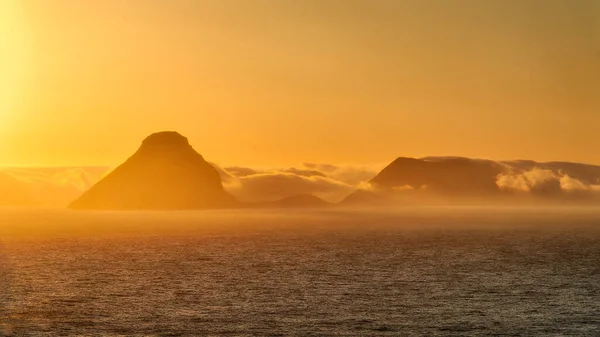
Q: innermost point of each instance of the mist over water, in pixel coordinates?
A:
(455, 271)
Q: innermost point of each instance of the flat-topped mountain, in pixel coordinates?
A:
(458, 179)
(455, 176)
(165, 173)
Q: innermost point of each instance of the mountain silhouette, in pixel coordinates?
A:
(454, 175)
(165, 173)
(459, 179)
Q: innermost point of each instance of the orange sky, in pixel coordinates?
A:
(282, 82)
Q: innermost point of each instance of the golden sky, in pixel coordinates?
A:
(267, 82)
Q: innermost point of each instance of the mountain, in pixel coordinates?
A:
(453, 176)
(458, 179)
(165, 173)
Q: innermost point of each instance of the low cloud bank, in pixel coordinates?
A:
(46, 187)
(57, 187)
(329, 182)
(544, 181)
(410, 179)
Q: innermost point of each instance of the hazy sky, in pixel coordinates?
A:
(276, 82)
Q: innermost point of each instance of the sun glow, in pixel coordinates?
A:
(12, 59)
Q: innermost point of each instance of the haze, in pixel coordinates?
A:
(282, 82)
(300, 167)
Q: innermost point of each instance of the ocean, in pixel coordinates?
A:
(423, 271)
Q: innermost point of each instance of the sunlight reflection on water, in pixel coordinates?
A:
(311, 273)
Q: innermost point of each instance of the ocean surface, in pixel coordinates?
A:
(406, 272)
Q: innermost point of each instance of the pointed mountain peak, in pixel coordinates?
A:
(165, 173)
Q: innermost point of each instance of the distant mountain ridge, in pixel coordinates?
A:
(166, 173)
(466, 178)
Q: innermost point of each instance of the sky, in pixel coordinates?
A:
(270, 83)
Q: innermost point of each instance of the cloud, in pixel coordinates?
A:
(58, 186)
(570, 184)
(277, 185)
(353, 175)
(526, 181)
(239, 171)
(329, 182)
(225, 176)
(305, 173)
(48, 187)
(543, 182)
